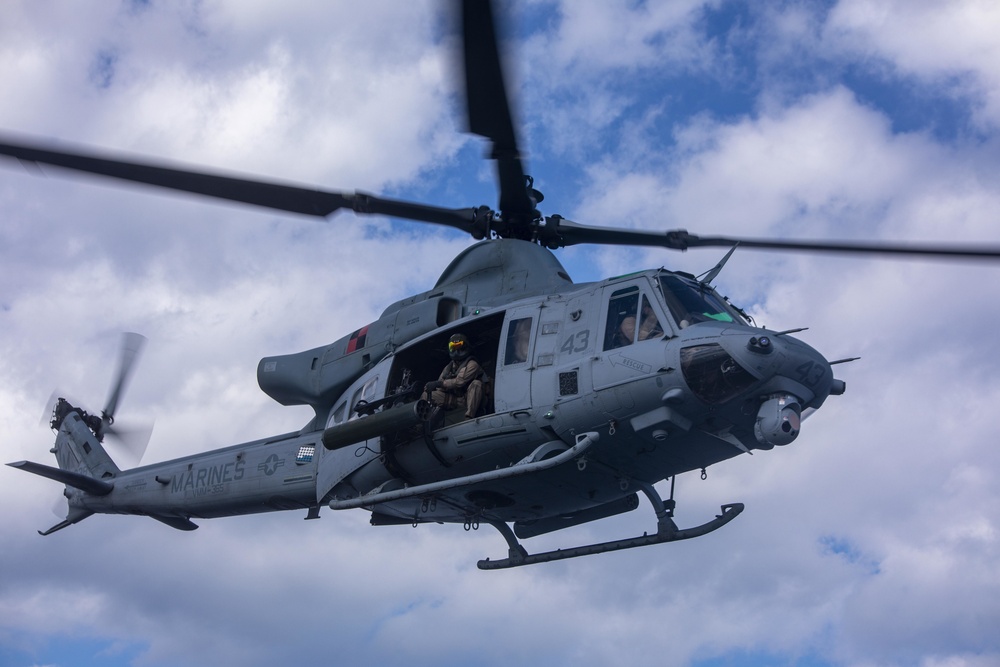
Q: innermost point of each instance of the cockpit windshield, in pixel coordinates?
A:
(691, 303)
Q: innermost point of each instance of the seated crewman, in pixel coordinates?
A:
(649, 325)
(460, 384)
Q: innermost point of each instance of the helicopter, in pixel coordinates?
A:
(580, 416)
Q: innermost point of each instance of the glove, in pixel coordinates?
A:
(431, 386)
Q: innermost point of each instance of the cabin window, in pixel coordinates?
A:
(364, 393)
(336, 415)
(518, 340)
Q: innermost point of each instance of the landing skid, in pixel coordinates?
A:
(667, 531)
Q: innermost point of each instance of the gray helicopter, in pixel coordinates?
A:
(558, 404)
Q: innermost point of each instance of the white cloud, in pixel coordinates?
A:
(951, 44)
(870, 540)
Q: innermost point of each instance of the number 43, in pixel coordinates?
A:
(578, 342)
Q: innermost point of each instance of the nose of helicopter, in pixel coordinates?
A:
(794, 376)
(783, 363)
(786, 374)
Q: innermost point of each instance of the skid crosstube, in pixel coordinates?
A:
(668, 532)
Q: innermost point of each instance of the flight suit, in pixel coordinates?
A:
(459, 386)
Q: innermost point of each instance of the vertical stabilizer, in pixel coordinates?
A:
(84, 465)
(78, 450)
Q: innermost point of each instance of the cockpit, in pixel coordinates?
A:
(691, 302)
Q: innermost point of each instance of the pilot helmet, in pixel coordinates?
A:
(459, 347)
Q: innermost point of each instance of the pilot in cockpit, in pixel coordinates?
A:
(649, 325)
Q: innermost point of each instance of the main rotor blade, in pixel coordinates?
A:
(562, 232)
(249, 191)
(279, 196)
(939, 250)
(489, 108)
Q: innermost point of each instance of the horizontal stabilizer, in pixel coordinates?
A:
(180, 523)
(90, 485)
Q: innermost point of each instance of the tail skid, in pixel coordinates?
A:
(75, 515)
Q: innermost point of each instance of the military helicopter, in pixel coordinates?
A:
(591, 394)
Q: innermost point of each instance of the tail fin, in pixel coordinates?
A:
(84, 465)
(78, 449)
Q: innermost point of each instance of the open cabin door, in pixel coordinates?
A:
(420, 362)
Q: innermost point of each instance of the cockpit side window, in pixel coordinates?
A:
(628, 327)
(649, 323)
(622, 307)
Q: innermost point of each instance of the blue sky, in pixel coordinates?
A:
(871, 540)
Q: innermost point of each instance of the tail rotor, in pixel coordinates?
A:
(133, 439)
(131, 347)
(85, 467)
(127, 441)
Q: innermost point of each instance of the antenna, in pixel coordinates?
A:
(714, 272)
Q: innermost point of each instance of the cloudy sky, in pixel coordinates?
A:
(872, 540)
